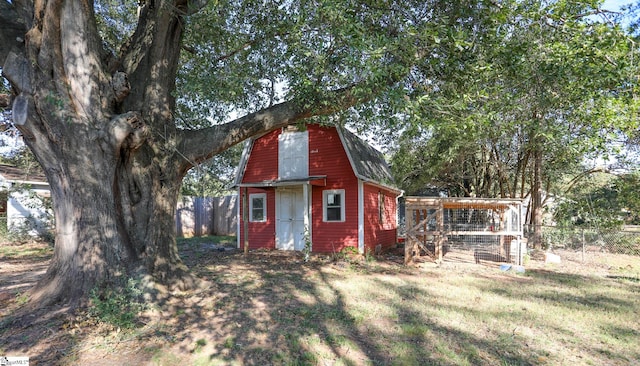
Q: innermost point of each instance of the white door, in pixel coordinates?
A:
(293, 155)
(290, 219)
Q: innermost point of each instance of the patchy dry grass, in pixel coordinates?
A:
(25, 251)
(271, 308)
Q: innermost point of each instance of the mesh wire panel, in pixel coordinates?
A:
(589, 239)
(467, 229)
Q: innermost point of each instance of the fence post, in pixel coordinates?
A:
(584, 245)
(440, 230)
(409, 242)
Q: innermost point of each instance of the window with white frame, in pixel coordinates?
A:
(258, 207)
(333, 205)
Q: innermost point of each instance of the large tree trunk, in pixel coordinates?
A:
(103, 130)
(114, 219)
(536, 199)
(114, 185)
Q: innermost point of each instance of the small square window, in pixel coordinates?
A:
(258, 207)
(333, 205)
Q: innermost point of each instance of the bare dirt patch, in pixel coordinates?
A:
(21, 266)
(273, 308)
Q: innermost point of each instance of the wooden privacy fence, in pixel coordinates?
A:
(199, 216)
(487, 229)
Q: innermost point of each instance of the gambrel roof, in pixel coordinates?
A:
(367, 163)
(14, 174)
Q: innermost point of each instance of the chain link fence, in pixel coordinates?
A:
(626, 241)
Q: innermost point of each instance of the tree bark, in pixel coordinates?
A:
(5, 100)
(536, 202)
(104, 133)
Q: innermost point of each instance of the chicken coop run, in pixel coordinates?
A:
(471, 229)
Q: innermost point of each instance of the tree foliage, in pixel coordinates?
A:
(214, 177)
(545, 86)
(607, 202)
(546, 78)
(119, 100)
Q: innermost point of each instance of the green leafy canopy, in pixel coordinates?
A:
(547, 76)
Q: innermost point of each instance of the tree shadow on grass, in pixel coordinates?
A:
(591, 313)
(577, 291)
(271, 308)
(34, 334)
(430, 338)
(277, 310)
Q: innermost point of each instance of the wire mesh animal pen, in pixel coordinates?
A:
(476, 229)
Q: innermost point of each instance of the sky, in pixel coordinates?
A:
(615, 4)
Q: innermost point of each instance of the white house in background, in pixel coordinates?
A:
(23, 197)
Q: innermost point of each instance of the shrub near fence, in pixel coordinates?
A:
(589, 239)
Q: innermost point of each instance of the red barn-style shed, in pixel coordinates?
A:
(315, 184)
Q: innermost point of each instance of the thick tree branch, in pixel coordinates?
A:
(81, 50)
(12, 30)
(584, 174)
(200, 145)
(5, 100)
(17, 70)
(125, 130)
(150, 60)
(195, 6)
(136, 49)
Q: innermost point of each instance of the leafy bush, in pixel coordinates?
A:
(345, 254)
(607, 205)
(579, 238)
(625, 244)
(118, 305)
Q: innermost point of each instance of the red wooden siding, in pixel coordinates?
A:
(261, 234)
(261, 166)
(328, 157)
(263, 161)
(375, 231)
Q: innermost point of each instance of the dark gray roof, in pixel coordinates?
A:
(368, 163)
(20, 175)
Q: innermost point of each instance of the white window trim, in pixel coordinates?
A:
(264, 207)
(325, 194)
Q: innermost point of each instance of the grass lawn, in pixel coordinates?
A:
(271, 308)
